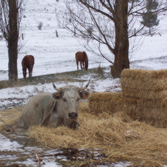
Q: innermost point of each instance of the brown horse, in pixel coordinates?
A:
(27, 62)
(83, 59)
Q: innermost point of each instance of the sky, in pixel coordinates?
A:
(57, 54)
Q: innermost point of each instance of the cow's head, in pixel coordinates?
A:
(68, 100)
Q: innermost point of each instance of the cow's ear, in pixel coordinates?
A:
(84, 94)
(57, 95)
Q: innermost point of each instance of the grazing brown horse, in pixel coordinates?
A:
(83, 59)
(27, 62)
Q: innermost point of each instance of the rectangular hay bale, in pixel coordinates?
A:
(164, 105)
(105, 102)
(139, 73)
(111, 102)
(152, 84)
(154, 117)
(152, 112)
(148, 103)
(144, 94)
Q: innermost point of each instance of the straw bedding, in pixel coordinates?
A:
(117, 135)
(8, 116)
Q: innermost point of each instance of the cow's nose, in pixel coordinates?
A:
(73, 115)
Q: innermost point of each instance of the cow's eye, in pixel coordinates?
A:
(64, 100)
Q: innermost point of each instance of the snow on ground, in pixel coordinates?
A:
(56, 55)
(20, 150)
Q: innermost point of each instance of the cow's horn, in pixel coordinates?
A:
(83, 88)
(58, 89)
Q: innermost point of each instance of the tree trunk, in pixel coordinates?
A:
(13, 42)
(121, 50)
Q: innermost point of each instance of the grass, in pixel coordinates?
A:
(72, 76)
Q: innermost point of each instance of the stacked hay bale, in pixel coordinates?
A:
(150, 90)
(111, 102)
(105, 102)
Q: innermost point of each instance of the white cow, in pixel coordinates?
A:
(54, 109)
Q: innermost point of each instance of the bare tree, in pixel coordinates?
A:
(108, 24)
(10, 19)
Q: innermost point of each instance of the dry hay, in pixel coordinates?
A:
(148, 111)
(144, 94)
(150, 104)
(144, 84)
(153, 117)
(105, 101)
(153, 84)
(141, 74)
(116, 135)
(153, 112)
(8, 116)
(164, 105)
(150, 89)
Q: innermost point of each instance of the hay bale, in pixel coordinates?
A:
(111, 102)
(150, 87)
(145, 94)
(152, 84)
(138, 73)
(130, 104)
(164, 105)
(148, 103)
(105, 102)
(144, 84)
(150, 111)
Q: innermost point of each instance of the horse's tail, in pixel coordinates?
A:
(76, 55)
(86, 65)
(33, 60)
(85, 56)
(23, 63)
(86, 60)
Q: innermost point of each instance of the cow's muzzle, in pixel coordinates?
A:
(73, 115)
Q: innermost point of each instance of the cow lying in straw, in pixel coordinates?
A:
(53, 110)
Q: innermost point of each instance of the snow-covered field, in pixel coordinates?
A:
(57, 54)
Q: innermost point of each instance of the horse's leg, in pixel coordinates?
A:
(30, 72)
(24, 72)
(77, 64)
(81, 64)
